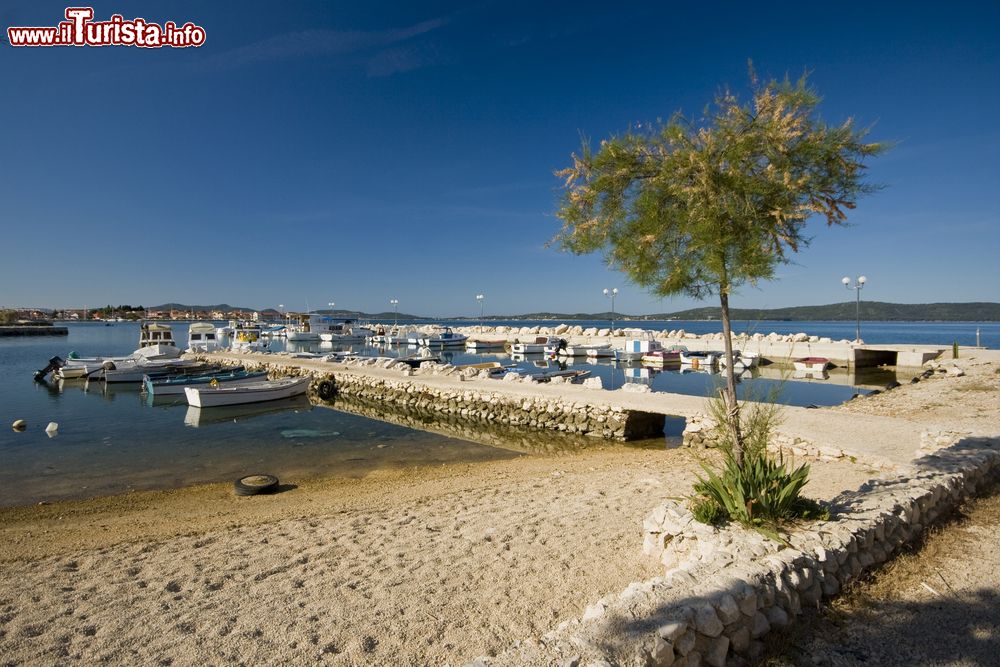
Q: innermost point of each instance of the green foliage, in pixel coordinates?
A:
(8, 316)
(699, 208)
(706, 510)
(954, 350)
(764, 491)
(693, 209)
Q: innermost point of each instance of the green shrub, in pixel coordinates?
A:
(765, 491)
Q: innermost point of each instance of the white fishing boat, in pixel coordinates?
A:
(636, 348)
(538, 346)
(443, 337)
(156, 341)
(255, 392)
(247, 337)
(812, 364)
(203, 338)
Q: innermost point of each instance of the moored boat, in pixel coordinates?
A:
(742, 361)
(480, 344)
(443, 338)
(156, 341)
(255, 392)
(699, 359)
(660, 358)
(167, 386)
(812, 364)
(202, 337)
(538, 346)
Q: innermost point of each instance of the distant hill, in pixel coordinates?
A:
(870, 311)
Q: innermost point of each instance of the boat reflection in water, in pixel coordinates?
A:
(197, 417)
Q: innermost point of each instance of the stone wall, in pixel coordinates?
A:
(407, 392)
(724, 589)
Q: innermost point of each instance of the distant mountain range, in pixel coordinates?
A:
(870, 311)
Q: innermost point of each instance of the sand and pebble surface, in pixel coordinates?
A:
(423, 566)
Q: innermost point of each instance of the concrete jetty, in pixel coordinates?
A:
(33, 330)
(622, 414)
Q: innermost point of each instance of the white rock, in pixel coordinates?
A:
(729, 611)
(594, 383)
(717, 650)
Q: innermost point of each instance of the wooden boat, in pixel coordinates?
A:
(812, 364)
(257, 392)
(537, 347)
(169, 386)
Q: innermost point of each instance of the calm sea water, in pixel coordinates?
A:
(111, 440)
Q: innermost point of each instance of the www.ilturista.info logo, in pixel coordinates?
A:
(79, 29)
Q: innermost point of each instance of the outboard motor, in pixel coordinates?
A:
(55, 363)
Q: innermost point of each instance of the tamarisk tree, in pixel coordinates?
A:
(700, 207)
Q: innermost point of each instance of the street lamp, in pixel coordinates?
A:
(395, 314)
(612, 293)
(481, 298)
(281, 307)
(858, 284)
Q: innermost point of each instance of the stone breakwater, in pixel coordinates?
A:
(570, 331)
(482, 430)
(572, 417)
(724, 589)
(405, 391)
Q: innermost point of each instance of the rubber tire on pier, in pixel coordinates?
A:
(326, 390)
(253, 485)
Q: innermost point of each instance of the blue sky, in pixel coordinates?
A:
(357, 152)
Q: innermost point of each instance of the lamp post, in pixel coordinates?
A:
(612, 293)
(284, 318)
(395, 313)
(858, 284)
(481, 298)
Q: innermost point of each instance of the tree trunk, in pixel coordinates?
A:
(729, 393)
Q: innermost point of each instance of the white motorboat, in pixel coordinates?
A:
(742, 361)
(203, 338)
(538, 346)
(483, 344)
(699, 359)
(443, 338)
(812, 364)
(591, 351)
(256, 392)
(342, 331)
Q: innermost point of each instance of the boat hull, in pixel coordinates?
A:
(261, 392)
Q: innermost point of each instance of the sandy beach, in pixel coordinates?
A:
(431, 565)
(426, 566)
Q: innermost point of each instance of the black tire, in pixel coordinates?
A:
(326, 390)
(253, 485)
